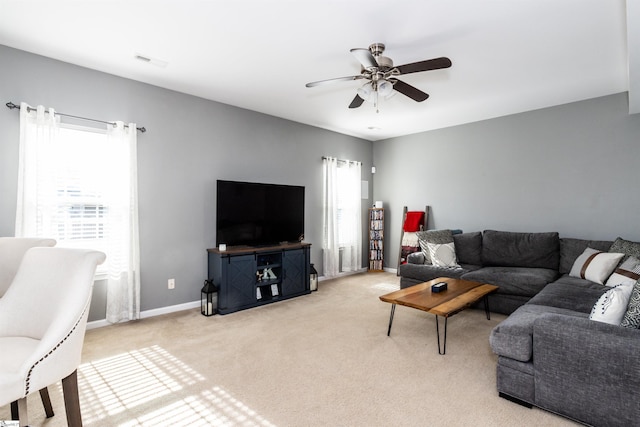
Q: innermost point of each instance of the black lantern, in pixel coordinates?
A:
(313, 278)
(207, 306)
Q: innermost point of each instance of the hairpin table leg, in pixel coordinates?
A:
(444, 341)
(393, 309)
(486, 307)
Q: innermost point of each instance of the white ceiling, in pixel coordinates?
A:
(508, 56)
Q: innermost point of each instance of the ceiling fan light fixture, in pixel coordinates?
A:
(385, 88)
(366, 92)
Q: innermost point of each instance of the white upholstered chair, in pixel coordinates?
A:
(43, 317)
(12, 250)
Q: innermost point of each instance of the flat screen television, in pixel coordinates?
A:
(258, 214)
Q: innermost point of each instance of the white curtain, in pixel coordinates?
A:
(330, 245)
(39, 184)
(342, 217)
(123, 283)
(38, 133)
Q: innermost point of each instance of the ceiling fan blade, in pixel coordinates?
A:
(365, 57)
(357, 101)
(429, 64)
(410, 91)
(338, 79)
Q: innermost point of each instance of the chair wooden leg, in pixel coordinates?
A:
(46, 402)
(14, 411)
(72, 400)
(22, 411)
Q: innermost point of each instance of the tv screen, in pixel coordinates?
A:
(257, 214)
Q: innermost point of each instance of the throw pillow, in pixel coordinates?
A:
(631, 318)
(443, 255)
(432, 236)
(627, 247)
(628, 271)
(594, 265)
(612, 305)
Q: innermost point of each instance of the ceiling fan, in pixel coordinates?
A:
(381, 74)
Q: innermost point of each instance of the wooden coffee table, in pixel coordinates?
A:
(459, 295)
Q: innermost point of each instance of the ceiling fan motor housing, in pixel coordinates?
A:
(384, 62)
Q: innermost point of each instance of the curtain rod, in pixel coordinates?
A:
(339, 160)
(10, 105)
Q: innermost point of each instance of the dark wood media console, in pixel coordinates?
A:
(249, 276)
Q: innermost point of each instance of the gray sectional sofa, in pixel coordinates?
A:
(521, 264)
(549, 353)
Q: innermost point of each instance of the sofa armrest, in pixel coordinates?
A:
(416, 258)
(587, 370)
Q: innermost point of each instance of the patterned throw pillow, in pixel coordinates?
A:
(443, 255)
(432, 236)
(631, 318)
(594, 265)
(627, 247)
(612, 305)
(628, 271)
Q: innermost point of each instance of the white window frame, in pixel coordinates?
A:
(65, 228)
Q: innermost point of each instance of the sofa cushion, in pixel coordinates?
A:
(627, 271)
(514, 280)
(432, 236)
(570, 293)
(443, 254)
(595, 265)
(502, 303)
(627, 247)
(570, 249)
(469, 248)
(416, 258)
(612, 305)
(631, 317)
(509, 249)
(424, 273)
(513, 337)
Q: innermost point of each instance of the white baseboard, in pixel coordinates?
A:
(94, 324)
(342, 274)
(149, 313)
(194, 304)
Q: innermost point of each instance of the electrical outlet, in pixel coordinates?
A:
(171, 284)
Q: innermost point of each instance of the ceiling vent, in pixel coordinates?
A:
(145, 58)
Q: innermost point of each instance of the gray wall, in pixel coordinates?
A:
(572, 169)
(190, 142)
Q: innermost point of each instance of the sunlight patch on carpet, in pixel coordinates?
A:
(386, 287)
(129, 384)
(122, 382)
(214, 407)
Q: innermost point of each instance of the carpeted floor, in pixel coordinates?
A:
(319, 360)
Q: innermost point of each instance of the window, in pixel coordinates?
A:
(342, 231)
(79, 186)
(346, 207)
(77, 165)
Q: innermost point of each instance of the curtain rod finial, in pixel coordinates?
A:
(11, 105)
